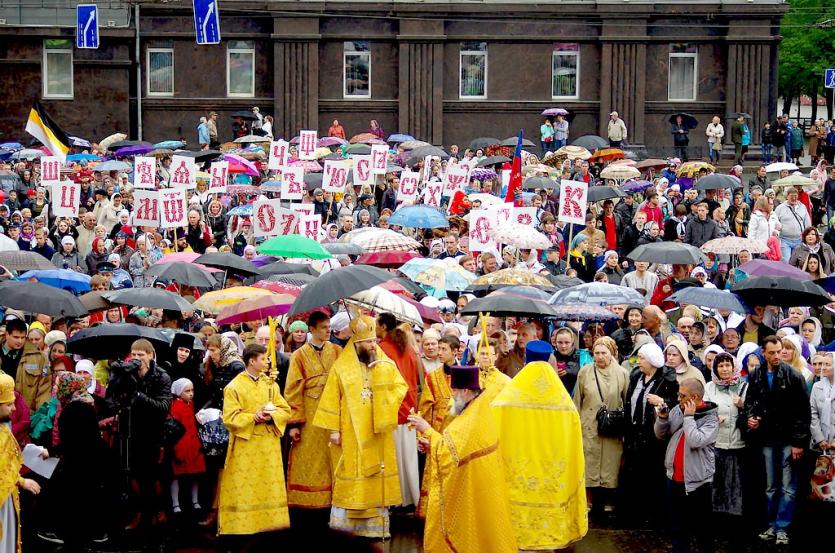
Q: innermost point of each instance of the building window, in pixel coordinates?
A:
(160, 70)
(681, 83)
(473, 70)
(240, 69)
(57, 68)
(565, 70)
(356, 69)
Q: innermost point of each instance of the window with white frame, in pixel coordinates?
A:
(160, 71)
(565, 71)
(683, 76)
(356, 69)
(473, 70)
(240, 69)
(57, 68)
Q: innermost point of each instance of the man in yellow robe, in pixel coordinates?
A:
(492, 379)
(310, 470)
(468, 508)
(252, 494)
(542, 449)
(11, 459)
(359, 408)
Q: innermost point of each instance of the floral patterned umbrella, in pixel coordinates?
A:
(732, 245)
(509, 277)
(438, 273)
(520, 236)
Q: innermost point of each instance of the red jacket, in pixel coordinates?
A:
(407, 364)
(187, 457)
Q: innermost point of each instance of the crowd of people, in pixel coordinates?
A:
(659, 414)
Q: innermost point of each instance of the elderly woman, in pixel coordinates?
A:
(727, 390)
(602, 383)
(823, 405)
(811, 243)
(652, 386)
(677, 359)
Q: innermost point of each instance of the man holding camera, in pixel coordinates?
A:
(140, 393)
(692, 427)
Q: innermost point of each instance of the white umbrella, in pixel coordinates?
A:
(520, 236)
(809, 185)
(106, 142)
(380, 240)
(485, 199)
(619, 172)
(7, 244)
(381, 300)
(780, 166)
(251, 139)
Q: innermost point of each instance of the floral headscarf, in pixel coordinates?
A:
(71, 387)
(228, 351)
(724, 356)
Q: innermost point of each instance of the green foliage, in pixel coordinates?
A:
(808, 47)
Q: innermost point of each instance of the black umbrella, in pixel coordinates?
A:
(183, 273)
(736, 114)
(482, 142)
(781, 291)
(590, 142)
(313, 180)
(508, 304)
(282, 268)
(343, 248)
(338, 284)
(244, 114)
(513, 140)
(715, 181)
(25, 261)
(34, 297)
(124, 143)
(420, 153)
(230, 262)
(92, 301)
(598, 193)
(296, 279)
(201, 155)
(668, 252)
(153, 298)
(687, 120)
(114, 340)
(536, 183)
(561, 281)
(493, 160)
(709, 297)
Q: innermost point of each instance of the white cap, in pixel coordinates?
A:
(340, 321)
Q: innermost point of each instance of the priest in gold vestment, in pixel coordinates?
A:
(359, 407)
(252, 494)
(468, 509)
(11, 459)
(542, 449)
(310, 467)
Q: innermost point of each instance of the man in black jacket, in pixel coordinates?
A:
(140, 392)
(752, 329)
(701, 228)
(777, 418)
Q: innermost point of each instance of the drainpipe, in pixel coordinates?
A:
(138, 75)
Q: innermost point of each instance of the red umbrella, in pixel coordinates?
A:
(397, 288)
(387, 260)
(426, 313)
(255, 308)
(278, 287)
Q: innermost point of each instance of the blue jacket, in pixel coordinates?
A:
(203, 133)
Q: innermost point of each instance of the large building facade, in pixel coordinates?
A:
(443, 71)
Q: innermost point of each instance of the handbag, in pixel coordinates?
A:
(215, 438)
(172, 432)
(823, 477)
(611, 423)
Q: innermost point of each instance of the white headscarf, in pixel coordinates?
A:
(179, 385)
(829, 396)
(86, 366)
(652, 353)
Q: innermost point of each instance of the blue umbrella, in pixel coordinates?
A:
(83, 157)
(112, 165)
(418, 216)
(65, 279)
(710, 297)
(400, 138)
(271, 186)
(11, 146)
(244, 210)
(170, 144)
(597, 293)
(632, 186)
(437, 274)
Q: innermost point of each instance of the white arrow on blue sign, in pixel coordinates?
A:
(829, 78)
(87, 26)
(206, 21)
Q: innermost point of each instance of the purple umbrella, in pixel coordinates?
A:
(262, 260)
(295, 140)
(633, 186)
(328, 141)
(555, 111)
(764, 267)
(133, 150)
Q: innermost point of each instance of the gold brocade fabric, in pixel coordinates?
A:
(310, 466)
(434, 405)
(365, 472)
(468, 508)
(542, 449)
(253, 497)
(12, 460)
(492, 381)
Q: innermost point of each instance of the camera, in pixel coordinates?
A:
(124, 377)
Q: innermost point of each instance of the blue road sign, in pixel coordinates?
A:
(829, 78)
(206, 21)
(87, 26)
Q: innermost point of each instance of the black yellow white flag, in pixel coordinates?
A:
(41, 126)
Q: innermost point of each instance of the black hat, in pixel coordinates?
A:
(363, 197)
(464, 377)
(105, 267)
(101, 191)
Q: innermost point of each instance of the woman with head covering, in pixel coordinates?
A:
(580, 259)
(183, 361)
(823, 406)
(677, 358)
(792, 356)
(652, 386)
(811, 330)
(746, 350)
(296, 336)
(602, 383)
(727, 390)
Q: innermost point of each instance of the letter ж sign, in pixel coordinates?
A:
(86, 26)
(206, 21)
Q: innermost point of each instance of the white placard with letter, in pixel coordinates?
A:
(574, 197)
(219, 170)
(145, 172)
(146, 208)
(335, 176)
(66, 197)
(292, 183)
(173, 208)
(278, 154)
(307, 145)
(183, 172)
(408, 186)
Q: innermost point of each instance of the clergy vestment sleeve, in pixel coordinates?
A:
(282, 412)
(294, 389)
(239, 422)
(426, 401)
(328, 413)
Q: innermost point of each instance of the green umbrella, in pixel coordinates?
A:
(294, 246)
